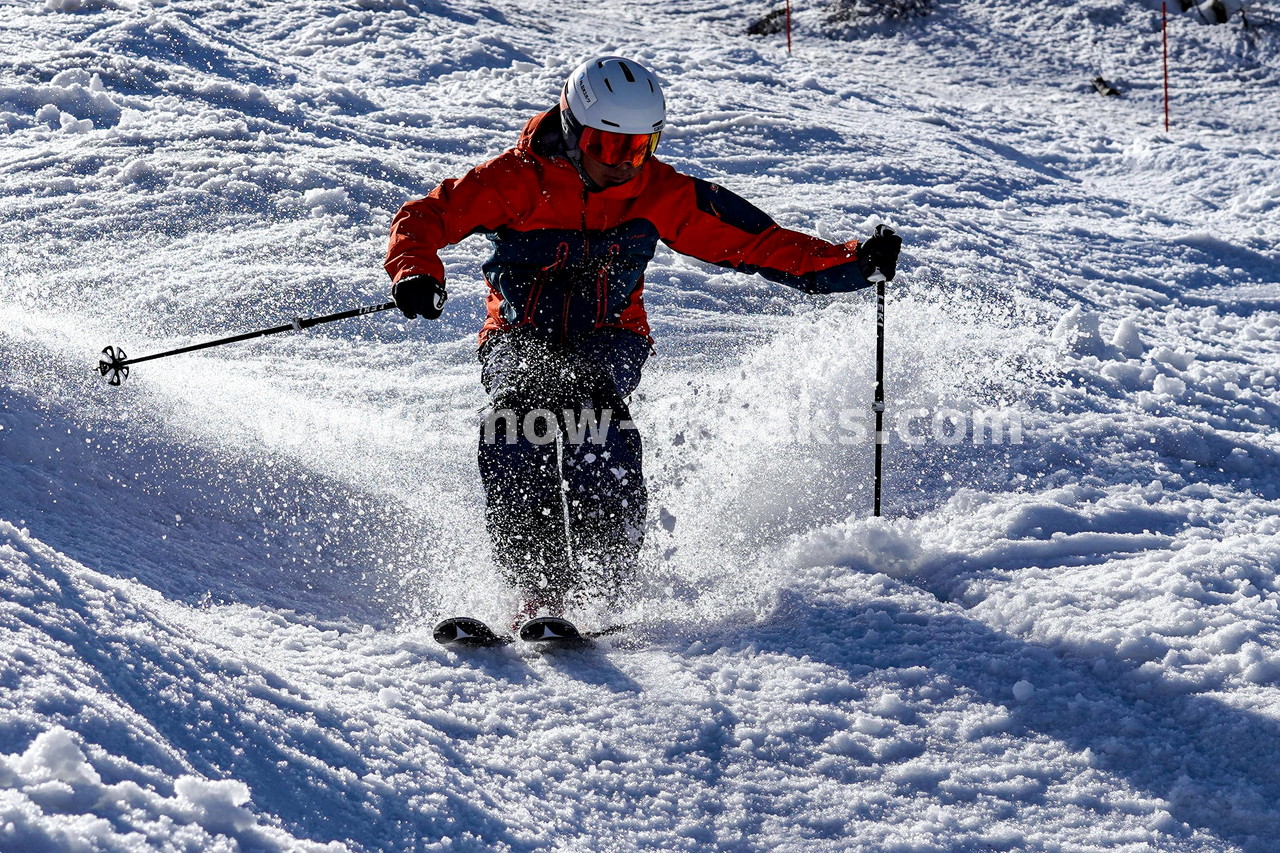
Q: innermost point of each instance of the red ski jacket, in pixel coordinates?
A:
(569, 260)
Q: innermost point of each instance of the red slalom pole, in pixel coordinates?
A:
(1164, 36)
(788, 27)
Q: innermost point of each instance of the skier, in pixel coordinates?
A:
(575, 212)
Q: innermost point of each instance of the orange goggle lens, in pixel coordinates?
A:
(614, 149)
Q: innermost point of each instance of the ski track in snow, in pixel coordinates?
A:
(219, 579)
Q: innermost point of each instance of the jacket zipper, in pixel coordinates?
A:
(602, 286)
(586, 253)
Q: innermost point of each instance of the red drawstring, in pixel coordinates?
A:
(562, 257)
(535, 292)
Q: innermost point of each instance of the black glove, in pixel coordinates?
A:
(880, 252)
(419, 294)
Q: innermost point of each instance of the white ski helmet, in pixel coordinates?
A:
(613, 93)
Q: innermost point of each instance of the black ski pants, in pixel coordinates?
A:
(561, 463)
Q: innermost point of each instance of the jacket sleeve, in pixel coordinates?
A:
(715, 225)
(452, 211)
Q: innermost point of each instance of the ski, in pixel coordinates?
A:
(551, 631)
(542, 631)
(465, 631)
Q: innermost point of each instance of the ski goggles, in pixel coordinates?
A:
(613, 149)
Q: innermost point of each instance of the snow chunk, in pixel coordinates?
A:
(225, 92)
(325, 202)
(1176, 359)
(919, 774)
(869, 725)
(137, 171)
(54, 117)
(1078, 332)
(891, 705)
(1023, 690)
(1127, 341)
(218, 806)
(75, 77)
(1126, 374)
(55, 756)
(847, 745)
(71, 124)
(48, 114)
(69, 100)
(1170, 386)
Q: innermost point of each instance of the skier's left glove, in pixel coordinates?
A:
(880, 252)
(419, 294)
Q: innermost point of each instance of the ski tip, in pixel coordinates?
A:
(550, 629)
(465, 631)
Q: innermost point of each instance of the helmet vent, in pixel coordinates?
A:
(608, 84)
(610, 123)
(626, 70)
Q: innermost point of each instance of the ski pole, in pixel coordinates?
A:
(114, 364)
(877, 405)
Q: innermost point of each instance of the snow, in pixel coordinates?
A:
(217, 581)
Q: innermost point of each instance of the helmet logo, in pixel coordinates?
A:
(584, 89)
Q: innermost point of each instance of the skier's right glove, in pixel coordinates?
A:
(419, 294)
(880, 252)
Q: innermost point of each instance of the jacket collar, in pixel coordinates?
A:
(543, 137)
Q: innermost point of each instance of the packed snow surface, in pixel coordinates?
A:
(218, 580)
